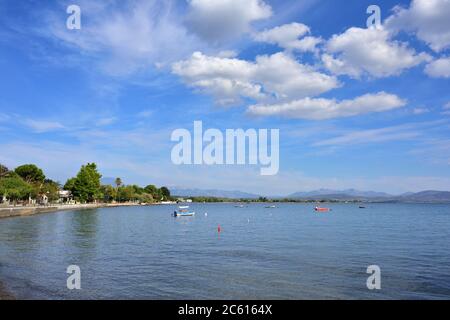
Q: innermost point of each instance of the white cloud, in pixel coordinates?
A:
(288, 37)
(357, 52)
(106, 121)
(127, 37)
(283, 76)
(229, 80)
(371, 136)
(439, 68)
(40, 126)
(220, 20)
(227, 54)
(447, 106)
(321, 109)
(418, 111)
(428, 19)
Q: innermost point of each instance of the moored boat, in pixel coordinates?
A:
(319, 209)
(183, 211)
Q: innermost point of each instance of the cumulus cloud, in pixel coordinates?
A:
(278, 76)
(439, 68)
(427, 19)
(372, 52)
(322, 109)
(227, 79)
(289, 36)
(220, 20)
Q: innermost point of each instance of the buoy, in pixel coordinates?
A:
(206, 214)
(219, 229)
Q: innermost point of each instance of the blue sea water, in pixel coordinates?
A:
(289, 252)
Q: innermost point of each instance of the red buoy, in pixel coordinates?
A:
(219, 229)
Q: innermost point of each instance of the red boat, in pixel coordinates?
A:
(318, 209)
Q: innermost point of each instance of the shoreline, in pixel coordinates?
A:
(11, 212)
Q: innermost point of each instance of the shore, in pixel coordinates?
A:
(9, 212)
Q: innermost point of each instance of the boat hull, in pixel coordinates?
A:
(188, 214)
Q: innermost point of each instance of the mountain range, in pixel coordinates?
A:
(430, 196)
(212, 193)
(339, 193)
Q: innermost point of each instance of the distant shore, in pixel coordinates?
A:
(10, 212)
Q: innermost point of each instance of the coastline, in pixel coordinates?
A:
(10, 212)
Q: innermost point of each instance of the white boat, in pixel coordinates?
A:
(183, 211)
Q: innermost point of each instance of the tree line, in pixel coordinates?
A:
(28, 183)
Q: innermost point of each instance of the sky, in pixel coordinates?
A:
(357, 107)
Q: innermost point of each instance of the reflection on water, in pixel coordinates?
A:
(83, 234)
(285, 253)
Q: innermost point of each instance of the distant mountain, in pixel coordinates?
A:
(352, 194)
(430, 196)
(212, 193)
(338, 194)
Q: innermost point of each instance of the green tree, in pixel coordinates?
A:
(109, 193)
(126, 193)
(138, 190)
(14, 188)
(146, 198)
(3, 171)
(30, 173)
(151, 189)
(51, 189)
(118, 182)
(70, 184)
(165, 192)
(86, 186)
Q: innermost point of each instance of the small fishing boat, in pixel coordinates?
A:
(319, 209)
(183, 211)
(239, 206)
(271, 207)
(362, 207)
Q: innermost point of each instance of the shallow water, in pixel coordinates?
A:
(285, 253)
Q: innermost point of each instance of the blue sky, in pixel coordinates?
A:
(356, 107)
